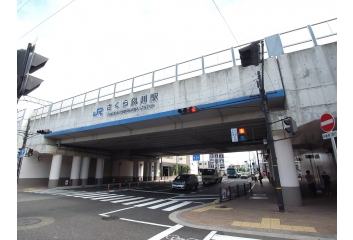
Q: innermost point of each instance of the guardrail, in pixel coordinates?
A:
(305, 37)
(232, 192)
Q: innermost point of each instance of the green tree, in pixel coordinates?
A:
(186, 169)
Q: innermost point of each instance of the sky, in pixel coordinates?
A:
(91, 44)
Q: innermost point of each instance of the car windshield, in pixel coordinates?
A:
(208, 172)
(182, 177)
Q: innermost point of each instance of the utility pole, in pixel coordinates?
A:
(19, 160)
(269, 134)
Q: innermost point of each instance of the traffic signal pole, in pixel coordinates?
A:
(269, 134)
(19, 160)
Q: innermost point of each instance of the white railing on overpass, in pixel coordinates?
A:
(294, 40)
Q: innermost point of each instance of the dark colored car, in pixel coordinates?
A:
(185, 181)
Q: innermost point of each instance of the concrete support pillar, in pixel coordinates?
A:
(99, 170)
(55, 171)
(287, 171)
(149, 175)
(75, 170)
(270, 169)
(84, 170)
(135, 177)
(145, 170)
(156, 169)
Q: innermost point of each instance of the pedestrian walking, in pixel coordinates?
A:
(311, 182)
(260, 178)
(327, 183)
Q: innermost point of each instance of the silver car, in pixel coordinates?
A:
(185, 181)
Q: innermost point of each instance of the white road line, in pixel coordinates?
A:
(210, 235)
(149, 203)
(86, 195)
(163, 204)
(105, 214)
(97, 195)
(165, 233)
(138, 201)
(155, 192)
(116, 198)
(103, 197)
(186, 199)
(149, 223)
(124, 200)
(76, 194)
(176, 206)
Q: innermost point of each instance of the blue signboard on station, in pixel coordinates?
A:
(196, 157)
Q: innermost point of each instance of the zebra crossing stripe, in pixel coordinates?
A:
(176, 206)
(149, 203)
(95, 195)
(124, 200)
(116, 198)
(163, 204)
(138, 201)
(104, 197)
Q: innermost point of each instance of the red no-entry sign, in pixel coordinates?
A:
(327, 122)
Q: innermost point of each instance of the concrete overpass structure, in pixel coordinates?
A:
(125, 128)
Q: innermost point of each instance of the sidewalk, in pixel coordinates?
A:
(252, 214)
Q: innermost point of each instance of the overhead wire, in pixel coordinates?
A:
(229, 28)
(23, 5)
(47, 18)
(225, 22)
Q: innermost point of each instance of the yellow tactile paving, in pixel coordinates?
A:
(255, 225)
(236, 223)
(309, 229)
(298, 228)
(286, 227)
(245, 224)
(273, 223)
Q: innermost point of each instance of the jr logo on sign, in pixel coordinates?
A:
(99, 112)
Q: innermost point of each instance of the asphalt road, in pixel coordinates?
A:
(95, 213)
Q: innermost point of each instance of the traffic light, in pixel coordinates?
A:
(292, 125)
(46, 131)
(250, 55)
(30, 152)
(242, 134)
(28, 62)
(187, 110)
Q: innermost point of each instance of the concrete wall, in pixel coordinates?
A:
(217, 86)
(310, 84)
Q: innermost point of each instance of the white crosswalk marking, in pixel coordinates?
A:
(138, 201)
(104, 197)
(176, 206)
(95, 195)
(89, 195)
(116, 198)
(149, 203)
(124, 200)
(162, 204)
